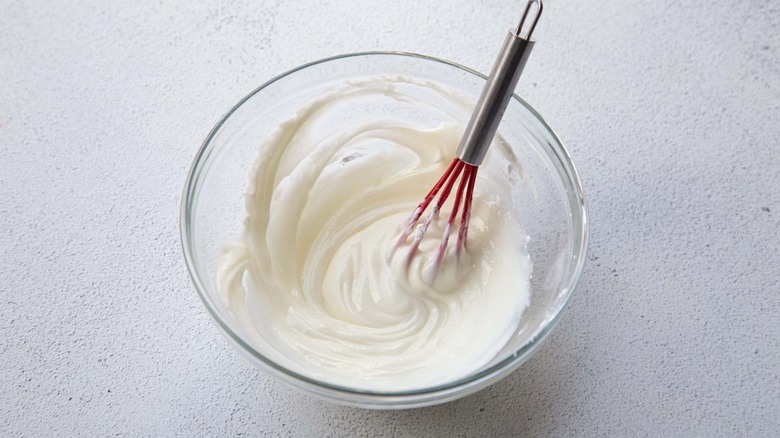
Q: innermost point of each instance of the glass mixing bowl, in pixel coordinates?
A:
(548, 199)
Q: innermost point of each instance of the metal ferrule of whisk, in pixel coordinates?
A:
(499, 88)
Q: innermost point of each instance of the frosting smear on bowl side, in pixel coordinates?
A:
(309, 278)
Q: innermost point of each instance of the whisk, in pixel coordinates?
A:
(473, 145)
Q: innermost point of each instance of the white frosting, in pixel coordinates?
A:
(308, 280)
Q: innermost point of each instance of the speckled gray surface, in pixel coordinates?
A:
(670, 109)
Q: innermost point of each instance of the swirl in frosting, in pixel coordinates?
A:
(309, 280)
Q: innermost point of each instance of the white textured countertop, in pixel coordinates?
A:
(670, 109)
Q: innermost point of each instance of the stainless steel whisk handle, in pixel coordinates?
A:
(498, 90)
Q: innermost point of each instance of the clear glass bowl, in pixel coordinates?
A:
(548, 199)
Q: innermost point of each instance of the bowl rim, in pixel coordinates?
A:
(376, 399)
